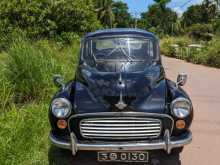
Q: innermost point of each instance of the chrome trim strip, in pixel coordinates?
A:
(167, 144)
(121, 114)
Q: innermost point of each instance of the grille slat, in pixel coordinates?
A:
(122, 135)
(120, 128)
(118, 125)
(118, 132)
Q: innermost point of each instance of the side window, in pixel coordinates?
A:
(87, 57)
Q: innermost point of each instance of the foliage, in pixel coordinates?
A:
(24, 135)
(40, 18)
(162, 3)
(67, 38)
(26, 125)
(212, 53)
(30, 69)
(6, 88)
(6, 94)
(163, 25)
(105, 12)
(203, 14)
(9, 35)
(74, 16)
(201, 31)
(122, 16)
(175, 46)
(216, 25)
(208, 54)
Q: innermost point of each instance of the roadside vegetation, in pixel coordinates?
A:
(40, 38)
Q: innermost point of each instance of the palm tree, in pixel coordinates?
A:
(105, 13)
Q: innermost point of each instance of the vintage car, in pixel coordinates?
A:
(120, 103)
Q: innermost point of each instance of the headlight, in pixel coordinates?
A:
(61, 107)
(181, 107)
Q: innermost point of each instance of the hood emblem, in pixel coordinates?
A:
(121, 105)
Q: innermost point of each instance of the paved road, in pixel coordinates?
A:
(204, 88)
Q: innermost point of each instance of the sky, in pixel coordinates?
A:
(138, 6)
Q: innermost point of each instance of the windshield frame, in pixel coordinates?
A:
(155, 56)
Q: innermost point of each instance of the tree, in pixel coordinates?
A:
(105, 13)
(46, 18)
(203, 13)
(162, 3)
(122, 16)
(160, 17)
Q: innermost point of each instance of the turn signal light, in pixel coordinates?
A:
(61, 124)
(180, 124)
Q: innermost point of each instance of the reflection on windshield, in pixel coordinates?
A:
(119, 49)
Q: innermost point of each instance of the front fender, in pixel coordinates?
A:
(62, 93)
(174, 92)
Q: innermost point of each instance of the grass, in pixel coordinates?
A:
(24, 126)
(30, 69)
(24, 134)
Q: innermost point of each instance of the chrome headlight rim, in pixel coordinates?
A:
(180, 99)
(65, 101)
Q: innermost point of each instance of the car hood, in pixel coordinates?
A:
(102, 91)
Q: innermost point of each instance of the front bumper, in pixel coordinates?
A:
(167, 144)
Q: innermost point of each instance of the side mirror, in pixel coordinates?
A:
(181, 79)
(58, 81)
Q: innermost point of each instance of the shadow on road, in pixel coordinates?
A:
(58, 156)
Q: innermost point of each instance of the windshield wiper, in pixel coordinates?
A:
(125, 54)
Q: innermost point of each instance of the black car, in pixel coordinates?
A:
(120, 102)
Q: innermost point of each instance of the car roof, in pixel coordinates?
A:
(121, 31)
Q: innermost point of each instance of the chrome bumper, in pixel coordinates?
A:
(166, 144)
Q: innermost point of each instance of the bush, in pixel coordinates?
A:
(175, 46)
(216, 25)
(196, 56)
(9, 35)
(166, 47)
(66, 55)
(67, 39)
(201, 31)
(30, 69)
(208, 54)
(212, 53)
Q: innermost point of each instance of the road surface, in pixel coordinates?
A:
(204, 88)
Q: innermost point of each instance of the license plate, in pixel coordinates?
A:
(118, 156)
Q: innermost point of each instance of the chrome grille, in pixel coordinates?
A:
(120, 128)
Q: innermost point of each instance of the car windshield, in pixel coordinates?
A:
(119, 49)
